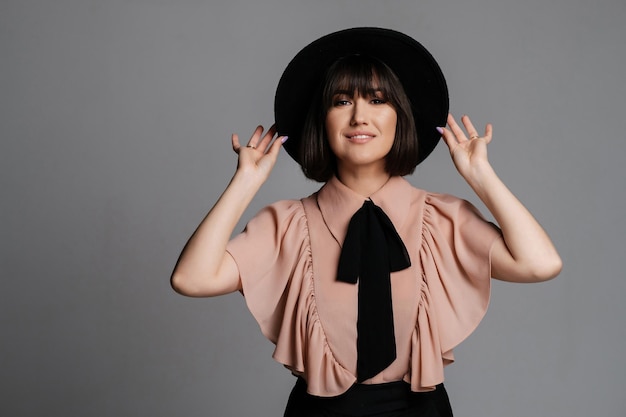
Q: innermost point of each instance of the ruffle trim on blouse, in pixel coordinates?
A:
(274, 298)
(455, 286)
(307, 352)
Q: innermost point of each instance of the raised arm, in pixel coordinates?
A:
(526, 254)
(204, 268)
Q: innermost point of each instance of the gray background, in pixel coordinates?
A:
(115, 120)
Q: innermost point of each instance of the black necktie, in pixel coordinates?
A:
(372, 250)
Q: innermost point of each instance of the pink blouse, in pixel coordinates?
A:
(287, 258)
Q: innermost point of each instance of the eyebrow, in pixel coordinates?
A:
(370, 91)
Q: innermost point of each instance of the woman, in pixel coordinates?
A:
(366, 286)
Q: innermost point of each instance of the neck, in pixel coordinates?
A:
(363, 182)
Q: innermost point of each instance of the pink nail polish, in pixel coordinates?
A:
(440, 130)
(284, 139)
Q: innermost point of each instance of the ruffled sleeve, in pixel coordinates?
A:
(456, 271)
(273, 257)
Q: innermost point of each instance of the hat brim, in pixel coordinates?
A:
(417, 70)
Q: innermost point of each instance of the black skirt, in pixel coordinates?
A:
(394, 399)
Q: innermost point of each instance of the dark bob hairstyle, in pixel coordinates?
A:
(360, 74)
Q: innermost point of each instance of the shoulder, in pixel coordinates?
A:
(277, 231)
(275, 222)
(458, 222)
(449, 206)
(435, 199)
(452, 215)
(281, 211)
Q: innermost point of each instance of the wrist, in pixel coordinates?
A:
(246, 182)
(480, 177)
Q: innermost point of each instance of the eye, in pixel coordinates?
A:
(341, 101)
(377, 97)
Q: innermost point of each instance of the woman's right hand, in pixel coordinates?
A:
(204, 268)
(258, 157)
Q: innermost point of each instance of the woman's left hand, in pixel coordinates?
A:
(526, 254)
(468, 150)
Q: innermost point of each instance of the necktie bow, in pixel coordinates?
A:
(372, 249)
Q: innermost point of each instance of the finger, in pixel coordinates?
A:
(456, 129)
(235, 141)
(254, 139)
(488, 132)
(267, 138)
(469, 127)
(269, 158)
(276, 145)
(448, 138)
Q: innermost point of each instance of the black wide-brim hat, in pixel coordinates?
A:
(416, 68)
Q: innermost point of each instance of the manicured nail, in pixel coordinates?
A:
(440, 130)
(284, 139)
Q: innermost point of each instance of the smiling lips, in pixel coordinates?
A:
(360, 137)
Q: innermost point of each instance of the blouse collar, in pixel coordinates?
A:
(338, 203)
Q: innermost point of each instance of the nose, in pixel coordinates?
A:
(359, 111)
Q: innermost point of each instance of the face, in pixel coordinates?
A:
(361, 130)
